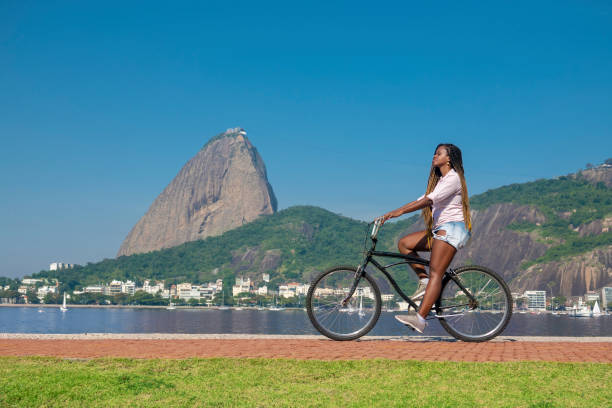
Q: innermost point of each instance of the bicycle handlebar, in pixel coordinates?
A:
(377, 224)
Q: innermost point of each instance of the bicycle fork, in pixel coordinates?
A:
(358, 275)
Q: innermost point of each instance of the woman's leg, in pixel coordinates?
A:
(442, 254)
(417, 241)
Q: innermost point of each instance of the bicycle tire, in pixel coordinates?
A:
(315, 309)
(494, 307)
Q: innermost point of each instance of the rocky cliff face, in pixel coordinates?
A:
(571, 277)
(496, 246)
(504, 250)
(224, 186)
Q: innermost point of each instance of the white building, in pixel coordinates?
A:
(266, 277)
(536, 299)
(152, 289)
(94, 289)
(284, 291)
(606, 297)
(44, 290)
(56, 266)
(591, 297)
(242, 285)
(29, 281)
(128, 287)
(262, 291)
(115, 288)
(183, 291)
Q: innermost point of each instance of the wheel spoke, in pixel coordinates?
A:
(490, 313)
(330, 317)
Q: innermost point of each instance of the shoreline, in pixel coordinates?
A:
(69, 306)
(234, 336)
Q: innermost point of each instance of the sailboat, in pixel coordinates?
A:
(361, 312)
(596, 310)
(223, 307)
(63, 308)
(275, 307)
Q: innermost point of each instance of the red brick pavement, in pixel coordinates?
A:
(313, 349)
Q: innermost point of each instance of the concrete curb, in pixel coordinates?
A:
(184, 336)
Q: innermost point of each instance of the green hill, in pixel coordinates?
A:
(295, 243)
(567, 202)
(291, 244)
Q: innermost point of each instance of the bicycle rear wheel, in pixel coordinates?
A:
(478, 320)
(335, 320)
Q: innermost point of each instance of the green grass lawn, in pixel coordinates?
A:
(37, 381)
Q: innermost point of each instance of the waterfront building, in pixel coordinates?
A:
(183, 291)
(243, 285)
(262, 291)
(323, 292)
(403, 306)
(94, 289)
(606, 298)
(128, 287)
(591, 296)
(207, 292)
(152, 289)
(387, 296)
(115, 287)
(22, 289)
(44, 290)
(536, 299)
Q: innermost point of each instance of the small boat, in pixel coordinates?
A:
(596, 310)
(582, 312)
(63, 308)
(171, 306)
(361, 312)
(276, 307)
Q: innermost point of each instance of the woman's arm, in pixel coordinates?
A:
(410, 207)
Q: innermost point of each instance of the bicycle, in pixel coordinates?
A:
(344, 302)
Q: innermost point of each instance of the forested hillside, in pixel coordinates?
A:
(527, 232)
(291, 244)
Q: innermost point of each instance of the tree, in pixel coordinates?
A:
(52, 298)
(32, 298)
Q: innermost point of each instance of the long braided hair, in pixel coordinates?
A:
(456, 162)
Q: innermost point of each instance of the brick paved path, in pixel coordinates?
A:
(313, 349)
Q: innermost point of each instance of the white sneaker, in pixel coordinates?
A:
(420, 290)
(413, 321)
(417, 296)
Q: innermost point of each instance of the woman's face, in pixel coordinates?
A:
(440, 157)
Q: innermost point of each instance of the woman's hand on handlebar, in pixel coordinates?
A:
(390, 214)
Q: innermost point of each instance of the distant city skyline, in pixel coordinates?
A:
(102, 104)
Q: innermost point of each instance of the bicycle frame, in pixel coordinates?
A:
(407, 259)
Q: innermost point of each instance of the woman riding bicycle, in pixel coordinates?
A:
(446, 210)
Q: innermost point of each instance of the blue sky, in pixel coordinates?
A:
(101, 104)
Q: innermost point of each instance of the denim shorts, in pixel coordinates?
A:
(456, 233)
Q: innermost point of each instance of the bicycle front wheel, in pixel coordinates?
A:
(328, 314)
(475, 320)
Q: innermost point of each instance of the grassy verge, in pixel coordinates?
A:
(34, 381)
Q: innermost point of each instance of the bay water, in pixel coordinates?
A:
(290, 321)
